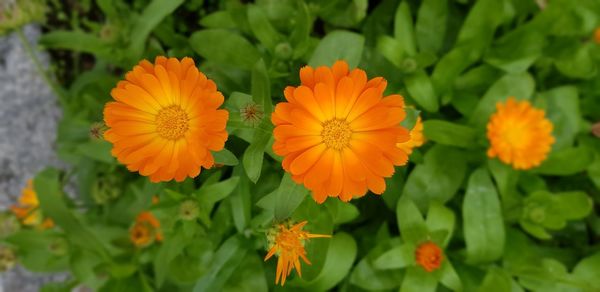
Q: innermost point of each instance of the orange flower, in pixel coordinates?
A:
(338, 134)
(288, 244)
(28, 211)
(597, 35)
(519, 134)
(429, 256)
(145, 230)
(416, 138)
(165, 120)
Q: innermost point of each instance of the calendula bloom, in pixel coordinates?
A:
(28, 211)
(288, 244)
(145, 230)
(416, 138)
(519, 134)
(429, 256)
(166, 120)
(337, 132)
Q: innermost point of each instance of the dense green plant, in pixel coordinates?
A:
(453, 60)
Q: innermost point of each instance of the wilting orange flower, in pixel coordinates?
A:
(288, 244)
(519, 134)
(416, 138)
(338, 134)
(166, 119)
(597, 35)
(28, 211)
(429, 256)
(145, 230)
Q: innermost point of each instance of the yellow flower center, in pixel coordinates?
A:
(516, 135)
(336, 134)
(172, 122)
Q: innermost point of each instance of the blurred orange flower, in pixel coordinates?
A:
(165, 120)
(519, 134)
(145, 230)
(28, 211)
(416, 138)
(337, 132)
(597, 35)
(288, 244)
(429, 256)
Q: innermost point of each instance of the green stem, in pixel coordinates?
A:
(38, 66)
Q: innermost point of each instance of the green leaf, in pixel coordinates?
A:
(169, 249)
(431, 25)
(34, 249)
(288, 197)
(568, 161)
(54, 206)
(218, 19)
(496, 280)
(483, 224)
(338, 262)
(261, 87)
(519, 85)
(562, 109)
(449, 278)
(421, 90)
(441, 218)
(451, 134)
(573, 205)
(241, 201)
(396, 258)
(341, 212)
(338, 45)
(98, 150)
(586, 271)
(249, 276)
(225, 47)
(262, 28)
(143, 25)
(225, 261)
(403, 29)
(77, 41)
(300, 35)
(517, 50)
(444, 165)
(254, 154)
(391, 49)
(579, 64)
(225, 157)
(365, 276)
(410, 221)
(417, 279)
(212, 193)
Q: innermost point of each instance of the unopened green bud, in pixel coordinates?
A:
(189, 210)
(284, 51)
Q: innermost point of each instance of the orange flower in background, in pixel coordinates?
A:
(145, 230)
(597, 35)
(429, 256)
(337, 132)
(288, 244)
(519, 134)
(28, 211)
(165, 120)
(416, 138)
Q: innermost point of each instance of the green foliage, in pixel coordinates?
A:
(499, 229)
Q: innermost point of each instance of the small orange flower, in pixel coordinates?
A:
(166, 120)
(28, 211)
(338, 133)
(429, 256)
(416, 138)
(519, 134)
(288, 244)
(145, 230)
(597, 35)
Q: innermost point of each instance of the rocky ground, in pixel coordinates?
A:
(28, 121)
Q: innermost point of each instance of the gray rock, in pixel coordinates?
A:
(28, 119)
